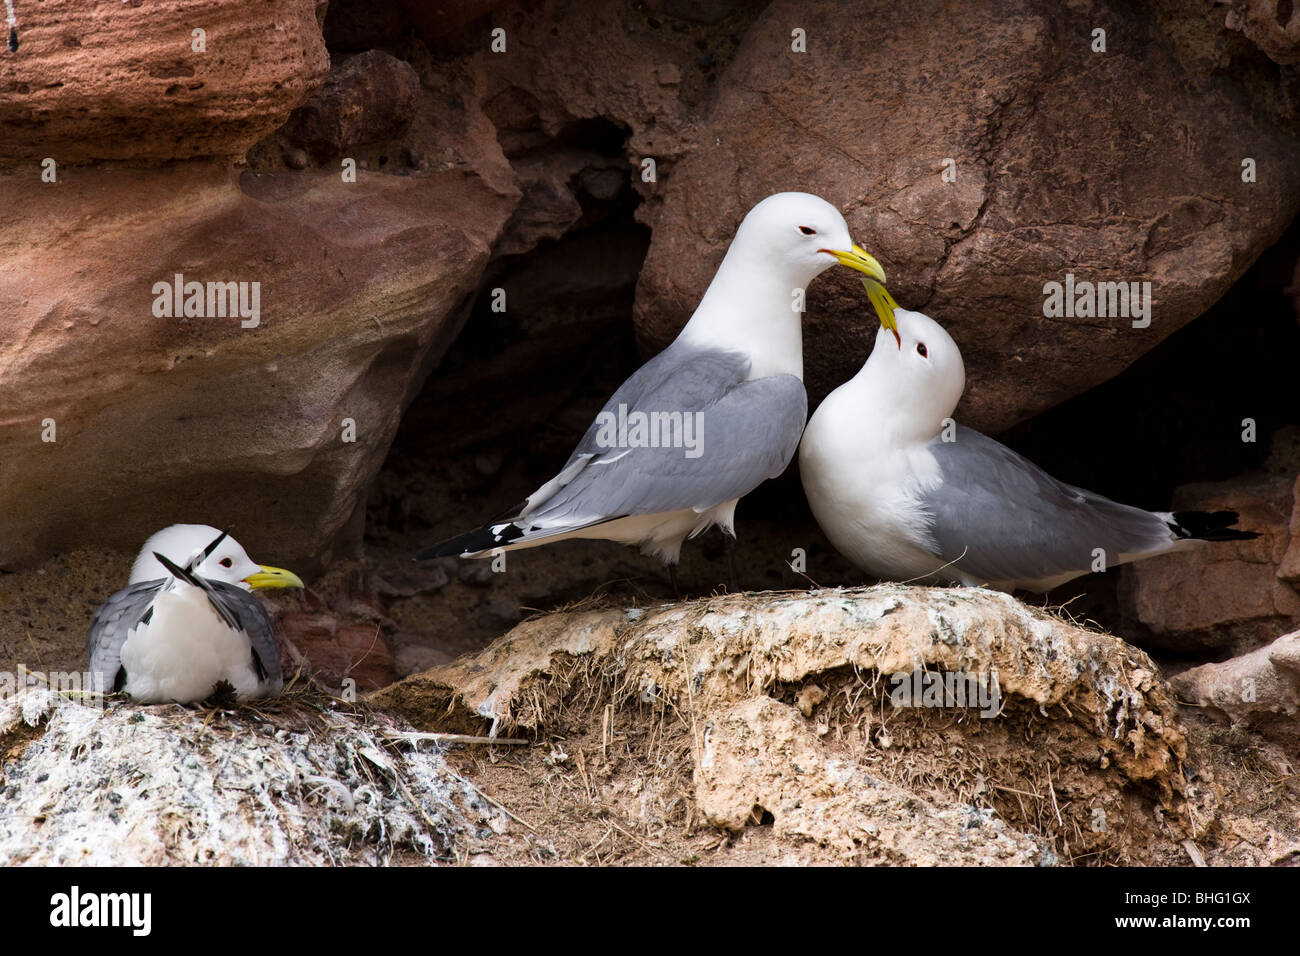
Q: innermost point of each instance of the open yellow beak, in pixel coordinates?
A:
(270, 577)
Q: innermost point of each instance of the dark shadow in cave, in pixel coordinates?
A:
(517, 388)
(1175, 415)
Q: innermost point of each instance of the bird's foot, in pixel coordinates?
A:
(223, 696)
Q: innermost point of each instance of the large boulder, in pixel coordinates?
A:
(1226, 598)
(91, 81)
(121, 414)
(1261, 689)
(160, 419)
(1123, 165)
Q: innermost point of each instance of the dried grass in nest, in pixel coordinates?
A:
(304, 778)
(1115, 740)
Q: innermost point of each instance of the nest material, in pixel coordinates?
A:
(302, 779)
(783, 704)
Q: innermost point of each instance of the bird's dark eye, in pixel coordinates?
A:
(226, 562)
(921, 350)
(807, 231)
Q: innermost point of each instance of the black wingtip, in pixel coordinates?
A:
(194, 579)
(184, 574)
(472, 542)
(1209, 526)
(206, 552)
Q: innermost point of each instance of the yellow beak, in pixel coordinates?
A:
(270, 577)
(884, 305)
(874, 282)
(859, 259)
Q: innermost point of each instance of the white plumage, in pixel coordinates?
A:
(185, 649)
(736, 368)
(907, 494)
(175, 636)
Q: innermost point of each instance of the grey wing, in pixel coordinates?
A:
(741, 433)
(1001, 518)
(680, 376)
(254, 621)
(111, 625)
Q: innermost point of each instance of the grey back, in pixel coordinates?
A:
(1002, 518)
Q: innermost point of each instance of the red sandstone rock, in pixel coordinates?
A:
(1221, 596)
(1124, 165)
(160, 420)
(370, 97)
(122, 81)
(1262, 687)
(336, 651)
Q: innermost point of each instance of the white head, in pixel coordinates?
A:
(921, 373)
(754, 301)
(228, 562)
(799, 236)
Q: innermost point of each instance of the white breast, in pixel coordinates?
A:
(865, 493)
(184, 650)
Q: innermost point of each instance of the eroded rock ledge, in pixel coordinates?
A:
(783, 699)
(746, 728)
(303, 780)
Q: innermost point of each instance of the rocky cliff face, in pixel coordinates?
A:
(983, 152)
(209, 140)
(347, 277)
(125, 178)
(84, 83)
(456, 227)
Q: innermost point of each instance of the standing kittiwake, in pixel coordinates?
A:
(709, 418)
(907, 494)
(186, 621)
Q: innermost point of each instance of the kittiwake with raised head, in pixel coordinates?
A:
(186, 621)
(709, 418)
(908, 495)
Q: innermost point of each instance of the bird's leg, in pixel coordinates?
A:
(729, 549)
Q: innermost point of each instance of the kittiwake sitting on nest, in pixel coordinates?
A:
(908, 495)
(709, 418)
(186, 621)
